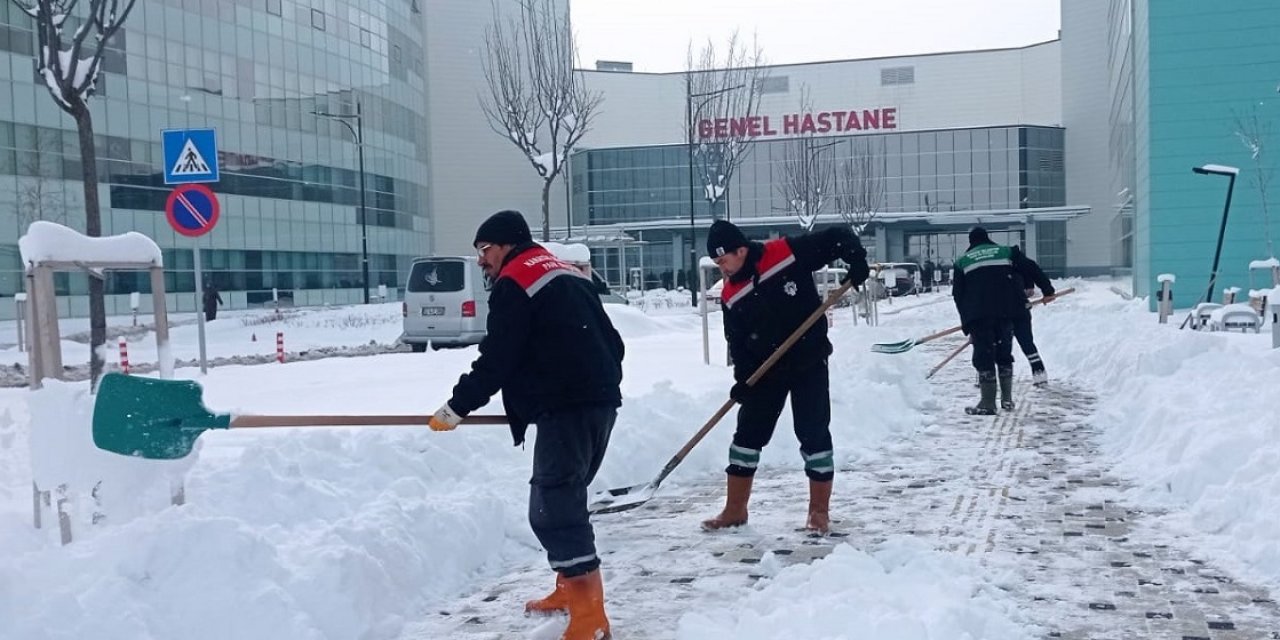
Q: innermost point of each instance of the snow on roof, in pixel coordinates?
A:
(50, 242)
(1232, 289)
(1269, 263)
(1166, 277)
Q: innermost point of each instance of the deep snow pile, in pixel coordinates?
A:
(1192, 416)
(346, 533)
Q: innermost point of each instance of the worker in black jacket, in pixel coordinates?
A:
(768, 293)
(1028, 274)
(553, 352)
(988, 294)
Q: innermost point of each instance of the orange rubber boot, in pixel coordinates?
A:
(735, 505)
(587, 620)
(555, 602)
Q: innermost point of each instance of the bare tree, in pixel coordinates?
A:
(860, 183)
(1255, 135)
(723, 99)
(70, 68)
(808, 174)
(535, 99)
(41, 196)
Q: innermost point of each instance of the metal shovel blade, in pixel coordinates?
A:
(624, 499)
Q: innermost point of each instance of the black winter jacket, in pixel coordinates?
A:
(774, 293)
(988, 283)
(550, 344)
(1027, 274)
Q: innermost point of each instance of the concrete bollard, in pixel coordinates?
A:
(1165, 296)
(1275, 324)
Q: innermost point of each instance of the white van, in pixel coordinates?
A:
(446, 303)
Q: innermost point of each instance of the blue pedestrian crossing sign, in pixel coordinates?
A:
(190, 155)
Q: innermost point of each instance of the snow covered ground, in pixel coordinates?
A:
(356, 533)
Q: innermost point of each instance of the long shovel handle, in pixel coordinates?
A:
(239, 422)
(951, 357)
(946, 332)
(755, 377)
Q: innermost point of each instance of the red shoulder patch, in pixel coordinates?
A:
(777, 256)
(533, 269)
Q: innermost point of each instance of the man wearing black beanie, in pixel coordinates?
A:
(768, 293)
(553, 352)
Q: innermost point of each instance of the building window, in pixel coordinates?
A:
(366, 38)
(775, 84)
(897, 75)
(273, 8)
(317, 19)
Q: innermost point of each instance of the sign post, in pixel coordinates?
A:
(193, 210)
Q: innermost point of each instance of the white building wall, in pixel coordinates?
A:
(473, 171)
(952, 90)
(1086, 103)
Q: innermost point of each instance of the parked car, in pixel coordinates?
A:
(904, 277)
(446, 303)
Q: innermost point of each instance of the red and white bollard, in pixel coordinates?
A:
(280, 347)
(124, 356)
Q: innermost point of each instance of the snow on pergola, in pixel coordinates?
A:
(51, 242)
(48, 247)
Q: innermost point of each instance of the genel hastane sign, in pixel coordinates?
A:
(798, 124)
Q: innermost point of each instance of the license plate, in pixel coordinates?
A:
(433, 311)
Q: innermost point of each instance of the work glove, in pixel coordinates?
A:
(740, 392)
(445, 419)
(859, 271)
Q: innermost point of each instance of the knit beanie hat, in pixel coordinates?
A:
(724, 237)
(504, 227)
(978, 236)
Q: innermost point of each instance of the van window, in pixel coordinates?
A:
(437, 276)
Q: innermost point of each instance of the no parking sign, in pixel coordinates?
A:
(192, 210)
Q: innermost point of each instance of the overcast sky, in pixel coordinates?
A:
(654, 34)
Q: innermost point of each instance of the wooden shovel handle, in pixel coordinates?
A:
(239, 422)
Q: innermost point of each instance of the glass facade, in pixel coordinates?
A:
(1122, 140)
(1018, 167)
(256, 71)
(949, 170)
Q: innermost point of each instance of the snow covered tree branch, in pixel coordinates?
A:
(1255, 135)
(70, 66)
(808, 174)
(860, 183)
(722, 90)
(535, 99)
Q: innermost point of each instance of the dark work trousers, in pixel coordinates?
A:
(1022, 331)
(992, 348)
(810, 410)
(567, 452)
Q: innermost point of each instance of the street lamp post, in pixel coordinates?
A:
(357, 131)
(693, 118)
(1230, 172)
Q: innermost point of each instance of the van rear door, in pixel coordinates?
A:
(434, 295)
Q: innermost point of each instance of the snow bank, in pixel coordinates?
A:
(50, 241)
(901, 591)
(1189, 416)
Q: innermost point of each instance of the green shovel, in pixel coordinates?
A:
(161, 419)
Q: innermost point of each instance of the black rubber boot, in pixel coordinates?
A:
(987, 404)
(1006, 389)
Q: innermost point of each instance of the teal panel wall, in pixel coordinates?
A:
(1207, 64)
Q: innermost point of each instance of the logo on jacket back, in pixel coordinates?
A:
(790, 287)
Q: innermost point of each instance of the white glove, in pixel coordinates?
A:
(445, 419)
